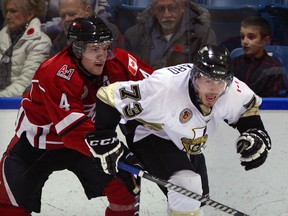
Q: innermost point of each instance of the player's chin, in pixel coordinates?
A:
(96, 70)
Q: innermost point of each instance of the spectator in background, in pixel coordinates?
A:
(71, 9)
(169, 32)
(261, 72)
(23, 46)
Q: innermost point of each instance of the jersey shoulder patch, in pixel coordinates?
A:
(132, 64)
(65, 72)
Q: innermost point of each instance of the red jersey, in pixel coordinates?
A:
(59, 110)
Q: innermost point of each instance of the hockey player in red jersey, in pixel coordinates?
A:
(172, 114)
(57, 113)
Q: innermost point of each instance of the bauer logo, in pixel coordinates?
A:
(185, 115)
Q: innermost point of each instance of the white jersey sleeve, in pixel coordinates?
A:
(238, 99)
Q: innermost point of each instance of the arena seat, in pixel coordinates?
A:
(277, 16)
(229, 3)
(127, 16)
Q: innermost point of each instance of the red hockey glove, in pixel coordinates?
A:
(253, 145)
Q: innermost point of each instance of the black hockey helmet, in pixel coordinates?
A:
(91, 30)
(214, 62)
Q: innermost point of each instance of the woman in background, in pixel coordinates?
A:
(23, 46)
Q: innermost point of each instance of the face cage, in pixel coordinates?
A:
(79, 46)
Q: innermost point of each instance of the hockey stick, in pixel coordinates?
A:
(137, 202)
(180, 190)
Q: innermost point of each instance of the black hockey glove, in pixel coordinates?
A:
(253, 145)
(106, 149)
(132, 182)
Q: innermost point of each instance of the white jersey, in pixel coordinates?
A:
(163, 101)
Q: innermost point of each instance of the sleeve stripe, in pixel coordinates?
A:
(68, 121)
(63, 133)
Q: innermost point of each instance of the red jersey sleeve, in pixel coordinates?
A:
(124, 66)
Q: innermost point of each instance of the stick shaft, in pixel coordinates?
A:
(181, 190)
(137, 202)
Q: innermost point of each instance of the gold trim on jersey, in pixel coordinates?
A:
(151, 126)
(251, 112)
(106, 94)
(252, 108)
(205, 110)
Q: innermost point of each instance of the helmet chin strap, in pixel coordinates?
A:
(80, 66)
(83, 70)
(196, 100)
(97, 80)
(193, 92)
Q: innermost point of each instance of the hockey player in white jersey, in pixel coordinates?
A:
(169, 117)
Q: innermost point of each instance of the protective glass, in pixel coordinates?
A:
(206, 84)
(98, 51)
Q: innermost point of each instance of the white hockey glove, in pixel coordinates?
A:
(106, 149)
(253, 145)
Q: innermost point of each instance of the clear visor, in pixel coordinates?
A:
(207, 85)
(98, 52)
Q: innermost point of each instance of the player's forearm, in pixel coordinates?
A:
(248, 122)
(107, 117)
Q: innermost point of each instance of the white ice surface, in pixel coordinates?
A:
(260, 192)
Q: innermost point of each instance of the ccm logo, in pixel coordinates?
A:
(103, 141)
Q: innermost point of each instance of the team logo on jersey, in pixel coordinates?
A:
(89, 110)
(132, 64)
(85, 92)
(185, 115)
(197, 143)
(65, 72)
